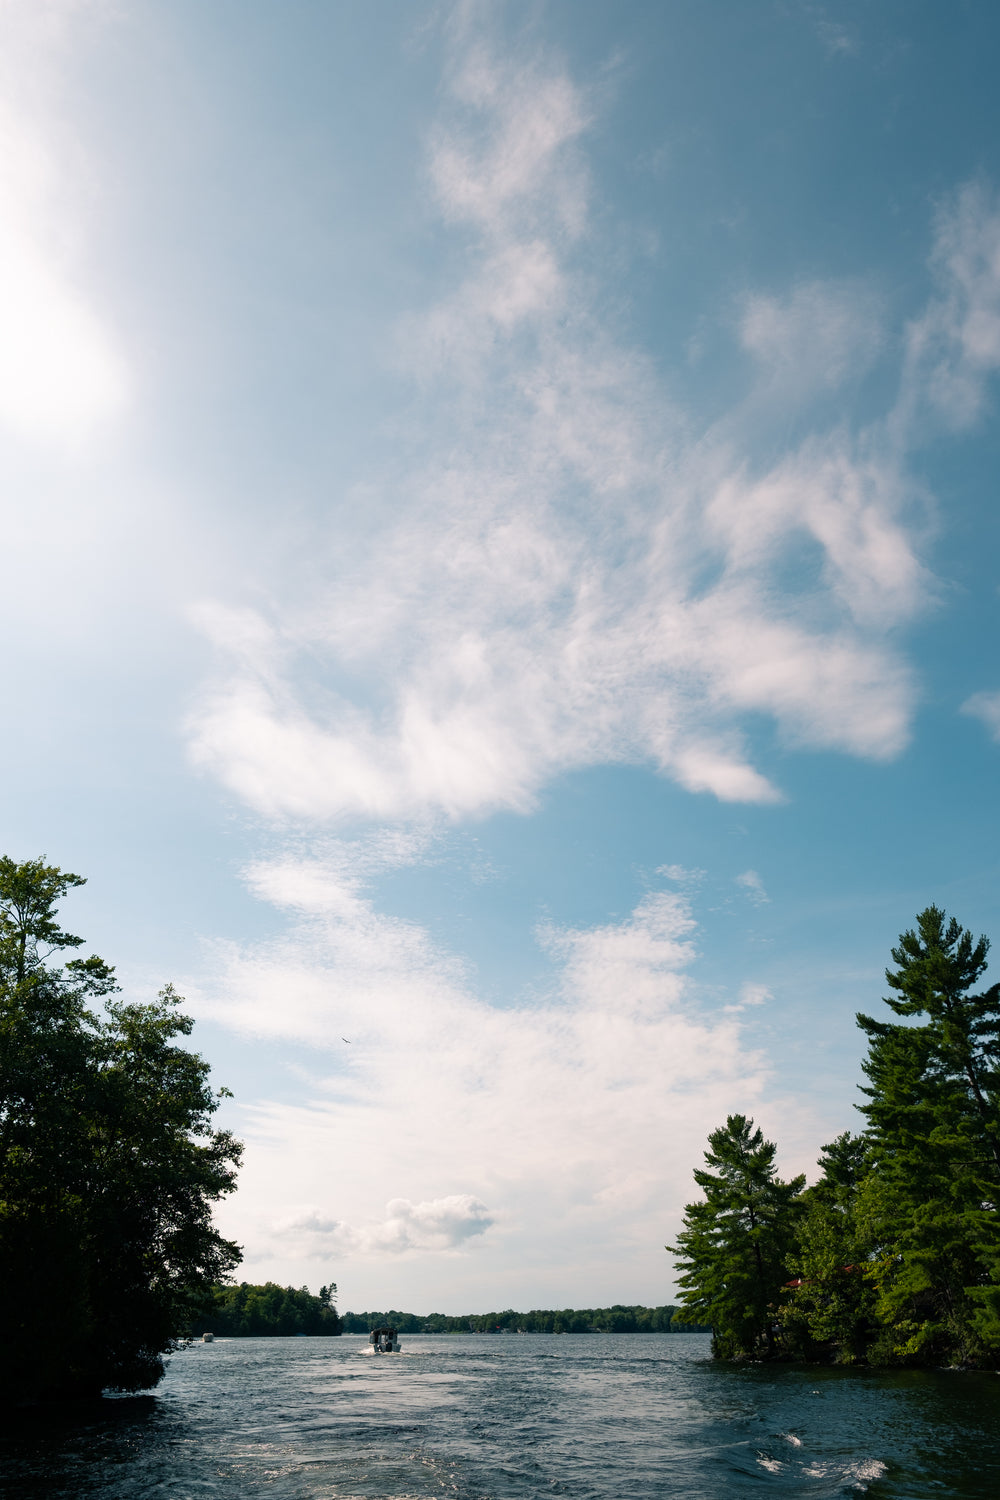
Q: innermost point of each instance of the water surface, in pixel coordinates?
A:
(598, 1415)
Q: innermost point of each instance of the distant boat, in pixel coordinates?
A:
(384, 1341)
(208, 1338)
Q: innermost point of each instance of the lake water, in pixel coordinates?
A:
(598, 1415)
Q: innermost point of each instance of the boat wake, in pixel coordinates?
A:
(806, 1475)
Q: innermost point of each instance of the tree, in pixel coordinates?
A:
(933, 1201)
(734, 1245)
(830, 1309)
(269, 1311)
(108, 1162)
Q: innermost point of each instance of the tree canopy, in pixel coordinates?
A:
(735, 1242)
(616, 1319)
(894, 1256)
(109, 1164)
(268, 1311)
(933, 1109)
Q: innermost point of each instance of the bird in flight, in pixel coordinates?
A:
(346, 1039)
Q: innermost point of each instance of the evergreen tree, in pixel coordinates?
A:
(830, 1310)
(108, 1162)
(733, 1248)
(930, 1207)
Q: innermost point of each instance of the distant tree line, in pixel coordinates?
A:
(616, 1319)
(268, 1311)
(893, 1256)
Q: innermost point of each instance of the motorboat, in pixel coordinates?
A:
(384, 1341)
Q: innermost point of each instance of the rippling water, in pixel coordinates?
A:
(598, 1415)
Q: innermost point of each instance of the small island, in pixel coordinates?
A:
(893, 1256)
(268, 1311)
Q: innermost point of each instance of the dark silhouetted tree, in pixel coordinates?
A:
(109, 1165)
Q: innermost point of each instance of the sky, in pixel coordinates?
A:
(500, 582)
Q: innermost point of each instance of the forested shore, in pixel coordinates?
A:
(617, 1319)
(893, 1256)
(273, 1311)
(267, 1311)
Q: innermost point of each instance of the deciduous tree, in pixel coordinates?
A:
(830, 1311)
(109, 1165)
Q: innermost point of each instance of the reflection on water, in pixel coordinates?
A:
(599, 1415)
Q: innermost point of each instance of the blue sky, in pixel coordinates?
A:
(501, 568)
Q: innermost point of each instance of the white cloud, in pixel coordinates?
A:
(568, 572)
(848, 505)
(755, 994)
(816, 338)
(349, 967)
(681, 873)
(954, 347)
(500, 176)
(626, 964)
(574, 1116)
(442, 1224)
(754, 887)
(986, 707)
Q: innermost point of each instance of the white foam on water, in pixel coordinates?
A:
(867, 1470)
(858, 1475)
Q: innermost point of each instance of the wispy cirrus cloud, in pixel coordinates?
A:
(751, 882)
(565, 568)
(569, 571)
(755, 994)
(820, 335)
(985, 707)
(750, 995)
(954, 346)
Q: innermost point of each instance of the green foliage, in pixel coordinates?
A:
(896, 1250)
(108, 1162)
(930, 1207)
(734, 1244)
(268, 1311)
(831, 1312)
(617, 1319)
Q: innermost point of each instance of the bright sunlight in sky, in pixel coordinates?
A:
(501, 581)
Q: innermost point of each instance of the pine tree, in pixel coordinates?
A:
(931, 1204)
(733, 1248)
(831, 1310)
